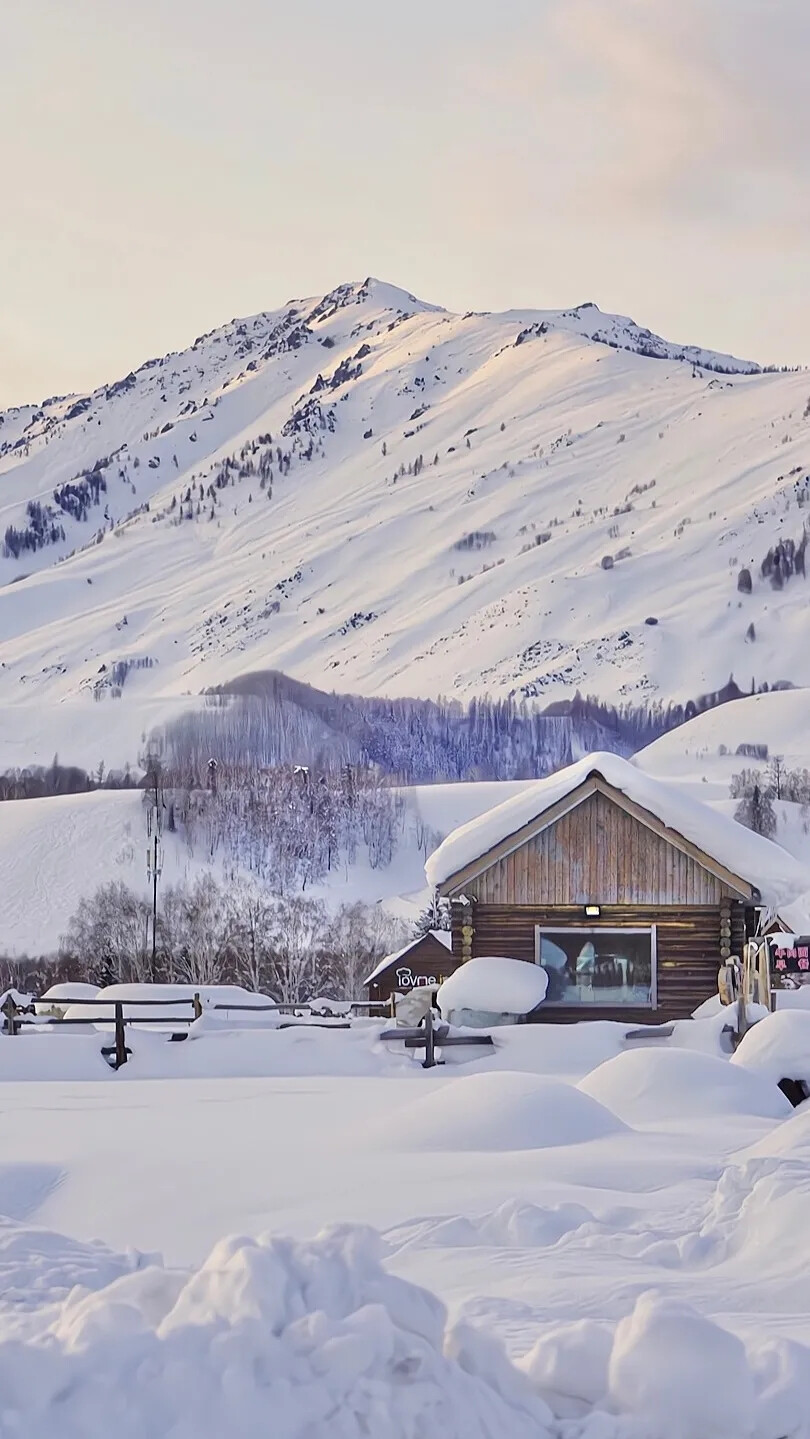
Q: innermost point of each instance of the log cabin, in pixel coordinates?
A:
(628, 892)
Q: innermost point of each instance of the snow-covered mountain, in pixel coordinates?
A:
(372, 494)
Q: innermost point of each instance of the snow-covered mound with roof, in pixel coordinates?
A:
(390, 961)
(367, 487)
(759, 861)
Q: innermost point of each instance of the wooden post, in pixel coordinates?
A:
(197, 1007)
(392, 1005)
(430, 1049)
(120, 1035)
(10, 1011)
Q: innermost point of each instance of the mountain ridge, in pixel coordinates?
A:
(517, 490)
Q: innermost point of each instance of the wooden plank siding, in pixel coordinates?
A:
(597, 853)
(688, 949)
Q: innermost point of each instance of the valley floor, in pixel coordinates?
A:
(655, 1200)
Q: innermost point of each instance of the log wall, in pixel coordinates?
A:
(688, 948)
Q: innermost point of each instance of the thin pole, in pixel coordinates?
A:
(154, 908)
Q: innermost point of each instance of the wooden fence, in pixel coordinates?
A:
(20, 1017)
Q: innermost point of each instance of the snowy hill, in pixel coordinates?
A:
(374, 495)
(55, 851)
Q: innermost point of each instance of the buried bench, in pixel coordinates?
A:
(430, 1037)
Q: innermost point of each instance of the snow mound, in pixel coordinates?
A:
(647, 1085)
(499, 1110)
(515, 1224)
(680, 1373)
(790, 1140)
(40, 1267)
(52, 1001)
(778, 1047)
(268, 1337)
(570, 1363)
(758, 1213)
(171, 1002)
(495, 986)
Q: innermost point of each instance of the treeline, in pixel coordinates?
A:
(631, 727)
(39, 781)
(235, 933)
(269, 719)
(266, 718)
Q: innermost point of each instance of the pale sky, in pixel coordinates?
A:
(167, 165)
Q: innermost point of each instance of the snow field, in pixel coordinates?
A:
(553, 1262)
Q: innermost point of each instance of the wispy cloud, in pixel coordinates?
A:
(684, 108)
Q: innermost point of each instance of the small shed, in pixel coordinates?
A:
(628, 892)
(424, 963)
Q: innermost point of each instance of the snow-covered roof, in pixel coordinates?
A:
(796, 915)
(761, 862)
(442, 935)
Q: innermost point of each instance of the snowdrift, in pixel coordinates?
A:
(498, 1110)
(643, 1086)
(777, 1047)
(515, 1224)
(140, 1001)
(53, 1000)
(267, 1338)
(316, 1340)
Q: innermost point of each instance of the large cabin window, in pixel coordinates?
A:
(609, 967)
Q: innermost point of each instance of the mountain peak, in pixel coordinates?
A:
(369, 490)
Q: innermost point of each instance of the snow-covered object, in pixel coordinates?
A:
(215, 997)
(494, 985)
(569, 1366)
(21, 1000)
(643, 1086)
(778, 1047)
(442, 935)
(680, 1373)
(52, 1001)
(764, 864)
(796, 915)
(498, 1110)
(268, 1337)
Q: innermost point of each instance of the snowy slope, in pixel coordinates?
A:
(55, 851)
(252, 503)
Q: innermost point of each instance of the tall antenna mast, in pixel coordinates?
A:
(154, 850)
